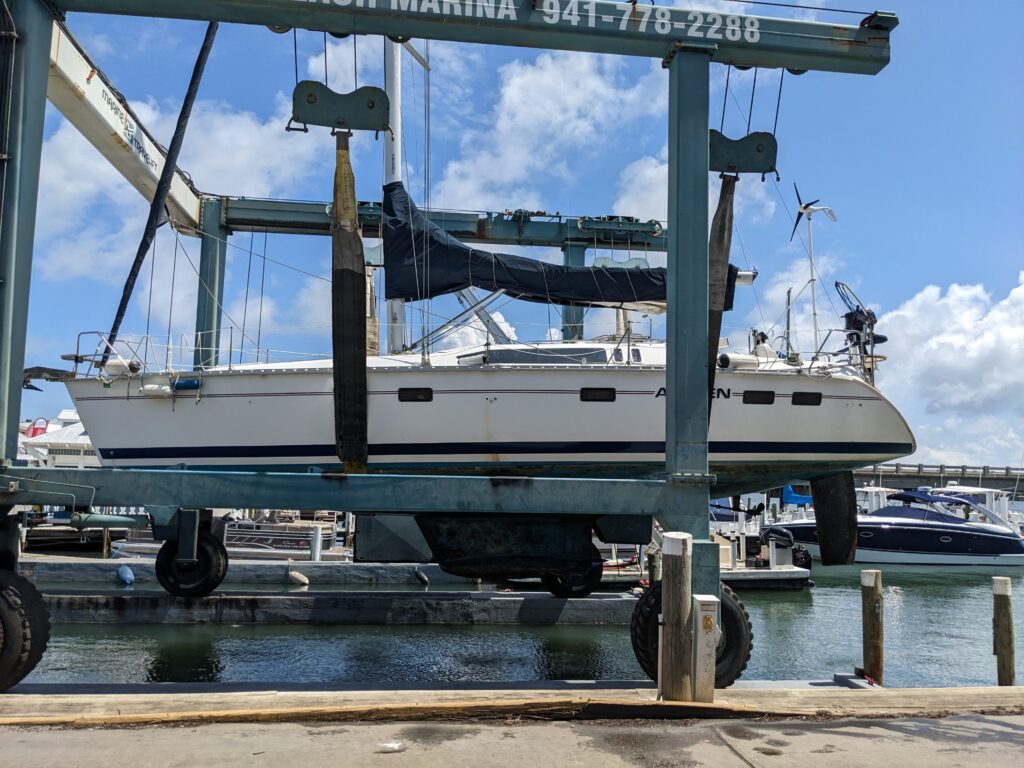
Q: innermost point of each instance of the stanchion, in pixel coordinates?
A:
(1002, 630)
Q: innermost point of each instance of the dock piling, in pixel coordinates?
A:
(676, 646)
(1002, 630)
(873, 625)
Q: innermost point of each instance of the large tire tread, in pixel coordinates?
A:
(732, 659)
(15, 634)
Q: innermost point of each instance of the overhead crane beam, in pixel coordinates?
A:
(599, 27)
(90, 102)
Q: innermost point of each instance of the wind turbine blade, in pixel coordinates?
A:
(416, 55)
(813, 202)
(796, 224)
(801, 202)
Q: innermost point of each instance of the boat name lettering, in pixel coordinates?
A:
(720, 393)
(591, 14)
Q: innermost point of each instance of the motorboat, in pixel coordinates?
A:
(928, 528)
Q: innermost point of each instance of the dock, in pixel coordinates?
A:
(96, 706)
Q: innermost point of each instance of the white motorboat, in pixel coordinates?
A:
(928, 528)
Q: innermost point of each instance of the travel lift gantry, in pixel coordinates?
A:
(177, 503)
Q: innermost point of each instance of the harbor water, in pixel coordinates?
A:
(938, 624)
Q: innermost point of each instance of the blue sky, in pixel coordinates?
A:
(921, 164)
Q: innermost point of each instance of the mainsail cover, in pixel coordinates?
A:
(421, 261)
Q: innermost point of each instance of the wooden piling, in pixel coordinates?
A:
(1002, 630)
(676, 647)
(873, 625)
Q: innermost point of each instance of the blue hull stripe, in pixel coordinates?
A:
(449, 449)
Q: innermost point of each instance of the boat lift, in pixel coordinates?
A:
(177, 502)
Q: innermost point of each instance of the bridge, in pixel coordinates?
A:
(913, 475)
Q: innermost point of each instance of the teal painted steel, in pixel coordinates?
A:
(686, 409)
(34, 23)
(210, 299)
(554, 231)
(629, 29)
(400, 494)
(573, 255)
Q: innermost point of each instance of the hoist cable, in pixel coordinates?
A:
(725, 98)
(750, 112)
(778, 103)
(245, 303)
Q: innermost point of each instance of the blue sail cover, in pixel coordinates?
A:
(421, 260)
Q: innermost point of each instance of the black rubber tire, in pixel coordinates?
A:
(734, 646)
(15, 636)
(578, 584)
(198, 579)
(34, 607)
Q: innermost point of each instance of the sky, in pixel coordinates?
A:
(921, 164)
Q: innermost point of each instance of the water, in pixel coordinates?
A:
(938, 633)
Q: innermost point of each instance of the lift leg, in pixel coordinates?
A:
(10, 539)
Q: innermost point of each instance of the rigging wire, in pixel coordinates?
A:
(778, 103)
(725, 98)
(327, 83)
(245, 304)
(170, 307)
(149, 305)
(801, 7)
(263, 283)
(753, 90)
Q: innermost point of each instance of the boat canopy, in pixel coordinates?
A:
(789, 496)
(422, 260)
(923, 497)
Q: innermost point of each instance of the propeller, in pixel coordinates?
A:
(802, 209)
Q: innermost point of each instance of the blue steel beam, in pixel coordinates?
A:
(210, 299)
(629, 29)
(398, 494)
(686, 409)
(21, 188)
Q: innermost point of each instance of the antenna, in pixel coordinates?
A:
(808, 210)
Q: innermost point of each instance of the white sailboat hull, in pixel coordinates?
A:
(513, 419)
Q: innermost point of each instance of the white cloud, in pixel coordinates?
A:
(548, 113)
(474, 332)
(643, 192)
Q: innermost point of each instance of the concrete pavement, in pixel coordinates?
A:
(955, 741)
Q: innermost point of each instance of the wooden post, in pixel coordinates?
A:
(676, 647)
(1002, 630)
(106, 544)
(873, 625)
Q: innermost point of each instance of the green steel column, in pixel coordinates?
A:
(34, 22)
(686, 408)
(573, 255)
(210, 301)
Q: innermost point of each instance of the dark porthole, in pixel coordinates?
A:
(866, 534)
(807, 398)
(758, 397)
(415, 395)
(597, 394)
(945, 539)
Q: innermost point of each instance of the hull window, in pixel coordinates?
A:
(597, 394)
(415, 395)
(807, 398)
(758, 397)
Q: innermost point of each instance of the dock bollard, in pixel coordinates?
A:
(1002, 630)
(873, 625)
(316, 544)
(675, 650)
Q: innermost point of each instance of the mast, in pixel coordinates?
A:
(814, 281)
(393, 173)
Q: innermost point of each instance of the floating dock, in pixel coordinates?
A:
(376, 607)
